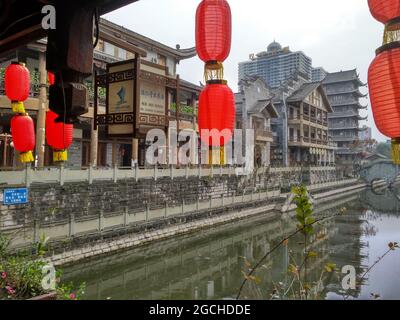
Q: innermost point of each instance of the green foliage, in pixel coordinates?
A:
(21, 275)
(67, 292)
(41, 246)
(183, 109)
(304, 210)
(2, 71)
(4, 242)
(384, 149)
(21, 278)
(330, 267)
(101, 92)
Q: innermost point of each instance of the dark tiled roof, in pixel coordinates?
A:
(341, 76)
(303, 92)
(143, 41)
(260, 105)
(306, 89)
(190, 85)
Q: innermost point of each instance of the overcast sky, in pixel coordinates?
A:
(337, 35)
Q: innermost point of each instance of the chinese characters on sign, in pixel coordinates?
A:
(15, 196)
(152, 99)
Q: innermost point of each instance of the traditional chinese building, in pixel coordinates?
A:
(254, 110)
(343, 91)
(164, 99)
(308, 138)
(301, 131)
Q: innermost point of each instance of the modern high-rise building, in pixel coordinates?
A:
(318, 74)
(276, 65)
(344, 96)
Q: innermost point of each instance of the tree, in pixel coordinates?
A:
(384, 148)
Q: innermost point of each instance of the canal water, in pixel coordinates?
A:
(211, 263)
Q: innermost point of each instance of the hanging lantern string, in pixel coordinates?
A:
(384, 71)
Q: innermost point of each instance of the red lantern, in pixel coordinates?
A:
(384, 88)
(216, 114)
(17, 85)
(51, 78)
(23, 136)
(213, 30)
(384, 10)
(58, 136)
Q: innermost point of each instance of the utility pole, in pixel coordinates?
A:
(285, 145)
(41, 119)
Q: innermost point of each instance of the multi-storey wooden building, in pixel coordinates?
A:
(308, 138)
(301, 130)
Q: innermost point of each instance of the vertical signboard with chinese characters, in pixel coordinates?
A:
(137, 101)
(153, 96)
(120, 83)
(121, 102)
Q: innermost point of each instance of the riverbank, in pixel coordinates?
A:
(268, 206)
(209, 263)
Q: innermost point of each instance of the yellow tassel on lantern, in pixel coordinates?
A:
(59, 156)
(18, 107)
(26, 157)
(222, 155)
(396, 150)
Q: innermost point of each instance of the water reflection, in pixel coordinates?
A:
(210, 264)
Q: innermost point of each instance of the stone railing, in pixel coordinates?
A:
(67, 221)
(61, 175)
(75, 226)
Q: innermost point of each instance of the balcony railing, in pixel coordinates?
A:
(324, 142)
(182, 116)
(345, 138)
(313, 119)
(343, 126)
(263, 134)
(343, 114)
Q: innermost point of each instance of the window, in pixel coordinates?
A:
(109, 49)
(162, 60)
(291, 113)
(122, 53)
(291, 134)
(306, 131)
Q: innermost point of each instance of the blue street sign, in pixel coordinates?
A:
(15, 196)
